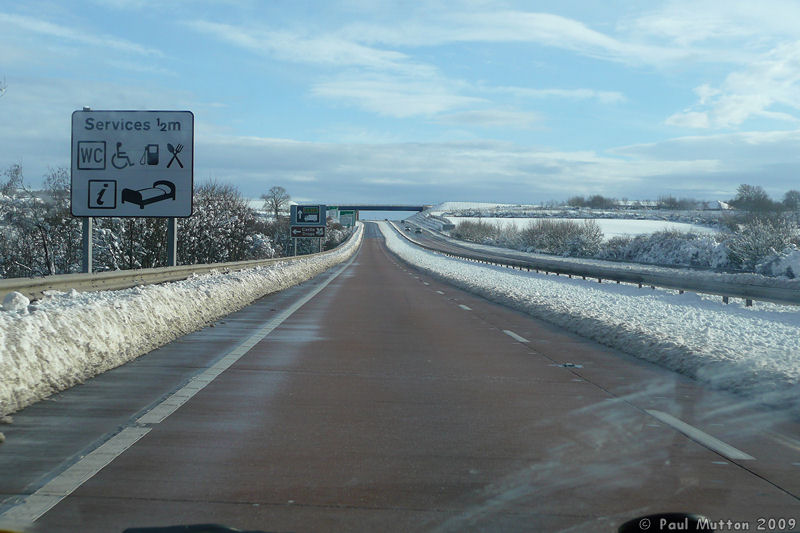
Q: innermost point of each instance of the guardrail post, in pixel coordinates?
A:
(172, 241)
(748, 302)
(87, 244)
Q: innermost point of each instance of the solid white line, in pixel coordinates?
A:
(515, 336)
(701, 437)
(464, 307)
(58, 488)
(198, 382)
(44, 499)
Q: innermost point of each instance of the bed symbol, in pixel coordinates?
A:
(161, 190)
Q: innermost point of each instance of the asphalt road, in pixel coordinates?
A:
(392, 402)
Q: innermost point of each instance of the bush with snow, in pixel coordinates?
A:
(760, 238)
(785, 263)
(563, 237)
(759, 244)
(667, 248)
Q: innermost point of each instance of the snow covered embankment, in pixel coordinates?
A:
(750, 350)
(69, 337)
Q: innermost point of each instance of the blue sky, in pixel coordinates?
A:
(406, 101)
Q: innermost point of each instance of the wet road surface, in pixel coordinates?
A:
(393, 402)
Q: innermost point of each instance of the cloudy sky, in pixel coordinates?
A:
(409, 101)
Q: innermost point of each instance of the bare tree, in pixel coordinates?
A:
(276, 200)
(791, 200)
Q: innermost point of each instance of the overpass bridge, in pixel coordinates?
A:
(380, 207)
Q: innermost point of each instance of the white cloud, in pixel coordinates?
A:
(766, 88)
(290, 46)
(688, 119)
(492, 118)
(393, 96)
(84, 37)
(691, 22)
(440, 171)
(507, 26)
(605, 97)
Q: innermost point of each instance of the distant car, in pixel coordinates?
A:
(408, 229)
(417, 230)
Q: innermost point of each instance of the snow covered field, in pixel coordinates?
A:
(749, 350)
(611, 227)
(69, 337)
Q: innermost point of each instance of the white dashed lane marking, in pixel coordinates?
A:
(515, 336)
(701, 437)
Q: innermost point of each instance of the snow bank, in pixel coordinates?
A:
(701, 276)
(69, 337)
(749, 350)
(785, 263)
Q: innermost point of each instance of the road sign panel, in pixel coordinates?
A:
(307, 231)
(308, 215)
(132, 163)
(347, 217)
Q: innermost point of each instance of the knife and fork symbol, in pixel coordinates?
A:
(174, 150)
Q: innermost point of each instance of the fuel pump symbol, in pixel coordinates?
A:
(150, 155)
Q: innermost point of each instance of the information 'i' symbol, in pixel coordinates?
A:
(100, 194)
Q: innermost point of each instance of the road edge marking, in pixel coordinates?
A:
(68, 481)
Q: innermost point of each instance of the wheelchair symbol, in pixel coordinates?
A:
(120, 159)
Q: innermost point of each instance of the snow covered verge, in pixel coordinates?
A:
(69, 337)
(689, 275)
(747, 350)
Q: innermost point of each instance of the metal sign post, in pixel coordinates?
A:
(87, 244)
(172, 241)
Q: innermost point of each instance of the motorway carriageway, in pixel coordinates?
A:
(375, 398)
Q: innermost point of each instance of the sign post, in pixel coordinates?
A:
(87, 244)
(308, 221)
(132, 164)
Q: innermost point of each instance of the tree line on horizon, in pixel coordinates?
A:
(751, 198)
(39, 236)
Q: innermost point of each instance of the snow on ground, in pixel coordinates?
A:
(453, 206)
(611, 227)
(701, 276)
(69, 337)
(749, 350)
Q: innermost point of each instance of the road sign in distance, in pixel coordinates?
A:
(132, 163)
(308, 215)
(307, 231)
(347, 217)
